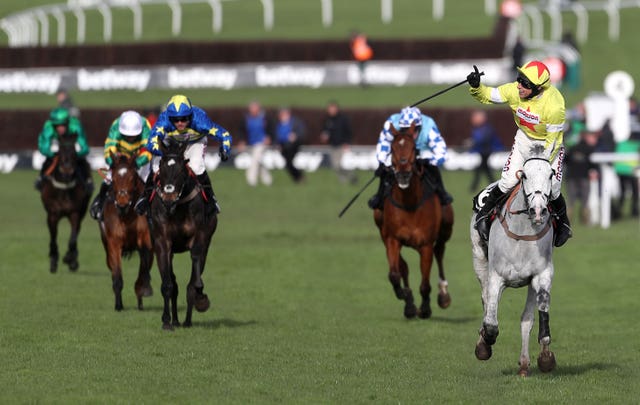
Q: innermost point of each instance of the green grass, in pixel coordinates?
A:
(302, 312)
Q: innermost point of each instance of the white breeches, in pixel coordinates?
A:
(520, 152)
(195, 154)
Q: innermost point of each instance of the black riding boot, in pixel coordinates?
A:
(96, 206)
(45, 166)
(142, 205)
(483, 217)
(563, 228)
(434, 174)
(377, 200)
(205, 183)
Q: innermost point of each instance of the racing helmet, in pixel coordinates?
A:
(179, 106)
(408, 116)
(535, 73)
(130, 124)
(59, 116)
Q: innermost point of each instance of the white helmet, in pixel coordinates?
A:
(409, 115)
(130, 123)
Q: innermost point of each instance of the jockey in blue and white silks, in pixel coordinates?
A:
(185, 122)
(431, 148)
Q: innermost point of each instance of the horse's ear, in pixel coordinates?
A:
(393, 130)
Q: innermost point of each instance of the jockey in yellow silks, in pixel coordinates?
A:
(539, 113)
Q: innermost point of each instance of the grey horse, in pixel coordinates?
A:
(517, 254)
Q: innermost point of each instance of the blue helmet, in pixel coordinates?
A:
(408, 116)
(179, 106)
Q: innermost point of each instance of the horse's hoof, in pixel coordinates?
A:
(424, 313)
(186, 324)
(167, 326)
(202, 303)
(444, 300)
(73, 266)
(119, 308)
(483, 351)
(410, 311)
(523, 372)
(546, 361)
(53, 269)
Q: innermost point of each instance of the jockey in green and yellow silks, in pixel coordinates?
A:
(185, 122)
(128, 135)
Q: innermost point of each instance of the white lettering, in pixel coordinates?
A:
(8, 163)
(202, 77)
(112, 79)
(290, 76)
(25, 82)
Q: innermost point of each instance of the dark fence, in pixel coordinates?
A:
(20, 128)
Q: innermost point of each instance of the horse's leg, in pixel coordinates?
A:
(489, 330)
(426, 260)
(526, 323)
(52, 224)
(446, 229)
(164, 256)
(114, 261)
(395, 277)
(71, 257)
(195, 296)
(542, 286)
(174, 297)
(143, 283)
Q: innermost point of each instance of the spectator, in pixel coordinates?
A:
(64, 101)
(336, 131)
(628, 181)
(580, 172)
(361, 52)
(257, 140)
(517, 55)
(485, 141)
(289, 132)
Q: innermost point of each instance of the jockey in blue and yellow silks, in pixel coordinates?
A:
(539, 113)
(185, 122)
(128, 135)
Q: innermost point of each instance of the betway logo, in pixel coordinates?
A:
(379, 74)
(8, 162)
(202, 77)
(289, 76)
(528, 116)
(22, 82)
(112, 79)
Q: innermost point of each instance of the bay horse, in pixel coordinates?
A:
(517, 254)
(64, 195)
(181, 220)
(123, 231)
(413, 216)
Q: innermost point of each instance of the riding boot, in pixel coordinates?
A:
(96, 206)
(39, 180)
(377, 200)
(483, 217)
(563, 228)
(142, 205)
(434, 173)
(210, 196)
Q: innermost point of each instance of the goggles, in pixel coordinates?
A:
(524, 82)
(180, 119)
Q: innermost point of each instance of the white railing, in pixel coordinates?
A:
(531, 22)
(31, 27)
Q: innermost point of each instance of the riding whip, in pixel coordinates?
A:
(356, 197)
(442, 91)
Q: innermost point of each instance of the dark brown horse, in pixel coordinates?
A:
(123, 231)
(181, 221)
(64, 195)
(413, 216)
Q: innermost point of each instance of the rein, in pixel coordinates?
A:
(55, 183)
(505, 226)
